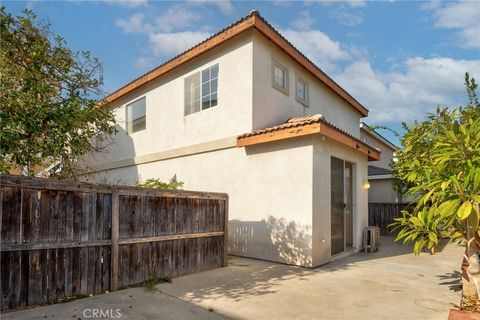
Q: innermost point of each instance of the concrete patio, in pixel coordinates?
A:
(389, 284)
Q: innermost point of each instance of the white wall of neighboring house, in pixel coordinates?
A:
(381, 186)
(387, 151)
(279, 207)
(381, 191)
(271, 106)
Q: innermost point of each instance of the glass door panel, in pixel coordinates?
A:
(337, 206)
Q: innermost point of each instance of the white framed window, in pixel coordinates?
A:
(302, 91)
(201, 90)
(136, 115)
(279, 77)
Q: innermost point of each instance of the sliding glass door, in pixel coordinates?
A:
(337, 206)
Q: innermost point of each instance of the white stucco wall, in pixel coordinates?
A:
(166, 125)
(323, 150)
(269, 188)
(381, 190)
(386, 154)
(271, 106)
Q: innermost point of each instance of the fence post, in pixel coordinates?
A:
(225, 235)
(115, 233)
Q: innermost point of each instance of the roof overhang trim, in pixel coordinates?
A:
(306, 130)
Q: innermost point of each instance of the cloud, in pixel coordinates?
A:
(356, 3)
(303, 22)
(165, 34)
(350, 3)
(132, 25)
(126, 3)
(346, 17)
(407, 95)
(224, 6)
(176, 17)
(463, 17)
(317, 46)
(173, 43)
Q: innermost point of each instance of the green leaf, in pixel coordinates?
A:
(433, 237)
(447, 207)
(476, 198)
(418, 246)
(416, 221)
(474, 217)
(427, 196)
(445, 184)
(464, 210)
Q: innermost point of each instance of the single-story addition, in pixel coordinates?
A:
(246, 113)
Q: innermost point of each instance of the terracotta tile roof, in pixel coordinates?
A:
(290, 123)
(252, 20)
(299, 122)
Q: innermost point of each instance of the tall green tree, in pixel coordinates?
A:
(439, 163)
(49, 98)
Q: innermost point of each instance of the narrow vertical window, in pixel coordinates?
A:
(280, 77)
(201, 90)
(209, 87)
(136, 116)
(302, 91)
(192, 94)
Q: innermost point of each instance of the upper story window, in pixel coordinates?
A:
(201, 90)
(136, 116)
(280, 77)
(301, 92)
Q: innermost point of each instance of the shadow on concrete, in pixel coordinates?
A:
(452, 279)
(246, 277)
(243, 278)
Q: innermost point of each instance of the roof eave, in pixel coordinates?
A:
(253, 20)
(306, 130)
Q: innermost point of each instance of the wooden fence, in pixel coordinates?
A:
(63, 239)
(383, 214)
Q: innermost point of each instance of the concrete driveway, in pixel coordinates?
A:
(389, 284)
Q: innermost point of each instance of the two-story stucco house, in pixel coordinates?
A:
(244, 112)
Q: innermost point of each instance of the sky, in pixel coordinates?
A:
(400, 59)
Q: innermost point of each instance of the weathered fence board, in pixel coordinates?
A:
(61, 239)
(383, 214)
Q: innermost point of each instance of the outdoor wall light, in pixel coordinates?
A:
(366, 185)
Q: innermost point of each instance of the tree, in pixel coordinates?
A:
(49, 94)
(440, 165)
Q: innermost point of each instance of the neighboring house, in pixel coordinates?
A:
(245, 113)
(379, 171)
